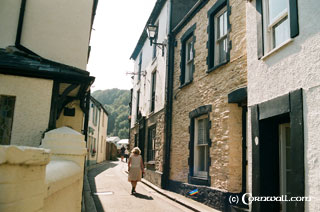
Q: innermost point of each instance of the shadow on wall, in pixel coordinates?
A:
(91, 177)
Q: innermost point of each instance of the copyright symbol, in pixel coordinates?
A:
(233, 199)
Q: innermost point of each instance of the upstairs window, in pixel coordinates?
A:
(219, 28)
(7, 104)
(187, 56)
(137, 106)
(139, 66)
(153, 90)
(278, 24)
(189, 60)
(221, 37)
(277, 27)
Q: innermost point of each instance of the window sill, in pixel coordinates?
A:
(277, 49)
(198, 180)
(217, 66)
(185, 84)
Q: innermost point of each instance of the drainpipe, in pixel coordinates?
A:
(19, 30)
(244, 148)
(168, 105)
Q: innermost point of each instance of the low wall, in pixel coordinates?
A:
(47, 179)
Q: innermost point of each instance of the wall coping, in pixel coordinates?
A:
(60, 174)
(22, 155)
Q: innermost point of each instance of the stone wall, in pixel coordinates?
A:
(155, 168)
(211, 89)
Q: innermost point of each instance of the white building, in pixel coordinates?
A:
(149, 93)
(97, 132)
(283, 51)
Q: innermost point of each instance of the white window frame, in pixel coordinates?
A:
(268, 26)
(197, 173)
(188, 70)
(283, 169)
(219, 41)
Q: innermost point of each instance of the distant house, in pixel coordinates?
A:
(97, 133)
(43, 57)
(114, 139)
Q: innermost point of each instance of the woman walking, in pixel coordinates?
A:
(135, 168)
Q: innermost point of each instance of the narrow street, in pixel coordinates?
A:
(111, 191)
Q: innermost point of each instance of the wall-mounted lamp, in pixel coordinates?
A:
(152, 31)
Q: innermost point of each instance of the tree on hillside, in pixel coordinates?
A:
(116, 102)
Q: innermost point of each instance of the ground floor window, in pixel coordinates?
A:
(151, 143)
(201, 147)
(6, 118)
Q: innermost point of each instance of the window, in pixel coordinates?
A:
(137, 108)
(199, 158)
(278, 23)
(139, 67)
(277, 28)
(153, 90)
(154, 50)
(201, 147)
(7, 104)
(219, 27)
(151, 143)
(189, 60)
(221, 32)
(187, 56)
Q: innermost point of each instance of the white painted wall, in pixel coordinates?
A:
(148, 66)
(9, 17)
(32, 107)
(57, 30)
(294, 66)
(102, 137)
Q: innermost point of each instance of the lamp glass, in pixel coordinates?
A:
(152, 30)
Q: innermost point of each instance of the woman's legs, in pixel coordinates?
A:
(134, 184)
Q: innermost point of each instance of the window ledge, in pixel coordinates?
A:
(277, 49)
(217, 66)
(185, 84)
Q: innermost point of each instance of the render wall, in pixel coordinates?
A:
(74, 122)
(57, 34)
(9, 17)
(32, 109)
(294, 66)
(102, 137)
(211, 89)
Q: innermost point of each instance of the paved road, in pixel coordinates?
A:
(109, 181)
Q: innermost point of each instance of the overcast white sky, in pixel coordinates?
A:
(118, 25)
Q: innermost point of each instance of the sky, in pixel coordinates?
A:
(116, 30)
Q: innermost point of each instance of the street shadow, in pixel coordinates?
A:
(142, 196)
(91, 174)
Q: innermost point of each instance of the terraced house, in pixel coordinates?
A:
(208, 142)
(283, 100)
(148, 104)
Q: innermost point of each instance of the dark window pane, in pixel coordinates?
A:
(6, 118)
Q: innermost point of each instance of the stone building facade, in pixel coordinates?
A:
(209, 103)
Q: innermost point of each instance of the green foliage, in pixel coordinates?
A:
(116, 102)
